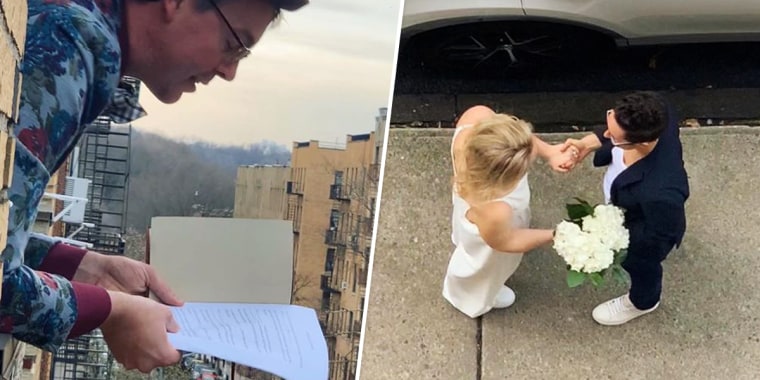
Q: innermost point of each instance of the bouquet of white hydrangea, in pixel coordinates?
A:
(592, 241)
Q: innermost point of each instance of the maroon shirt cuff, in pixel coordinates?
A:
(93, 307)
(63, 260)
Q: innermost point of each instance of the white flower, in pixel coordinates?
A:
(592, 248)
(617, 235)
(600, 258)
(572, 244)
(611, 214)
(607, 223)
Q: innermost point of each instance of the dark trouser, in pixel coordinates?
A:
(646, 278)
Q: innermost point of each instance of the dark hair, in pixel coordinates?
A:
(278, 5)
(642, 115)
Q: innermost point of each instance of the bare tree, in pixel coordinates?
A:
(300, 282)
(170, 178)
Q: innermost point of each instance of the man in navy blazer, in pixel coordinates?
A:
(646, 178)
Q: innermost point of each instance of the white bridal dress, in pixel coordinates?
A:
(477, 272)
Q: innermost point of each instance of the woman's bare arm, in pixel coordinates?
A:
(494, 221)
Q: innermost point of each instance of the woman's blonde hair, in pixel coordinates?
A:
(497, 154)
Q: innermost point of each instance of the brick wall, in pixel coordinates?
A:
(12, 35)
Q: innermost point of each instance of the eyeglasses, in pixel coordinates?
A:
(242, 51)
(625, 143)
(612, 138)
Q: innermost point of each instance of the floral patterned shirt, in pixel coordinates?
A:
(70, 71)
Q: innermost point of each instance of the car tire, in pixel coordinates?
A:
(507, 47)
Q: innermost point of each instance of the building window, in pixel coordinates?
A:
(356, 276)
(338, 177)
(325, 300)
(334, 219)
(363, 273)
(330, 260)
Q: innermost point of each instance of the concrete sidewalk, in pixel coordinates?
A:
(707, 326)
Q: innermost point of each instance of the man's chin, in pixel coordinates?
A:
(166, 95)
(169, 98)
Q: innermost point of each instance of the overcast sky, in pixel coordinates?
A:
(320, 74)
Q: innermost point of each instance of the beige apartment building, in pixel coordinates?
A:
(330, 191)
(260, 192)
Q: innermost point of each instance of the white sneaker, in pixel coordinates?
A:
(504, 298)
(618, 311)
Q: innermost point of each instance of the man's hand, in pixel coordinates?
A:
(125, 275)
(584, 146)
(136, 332)
(561, 158)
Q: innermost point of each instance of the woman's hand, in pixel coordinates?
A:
(562, 158)
(584, 146)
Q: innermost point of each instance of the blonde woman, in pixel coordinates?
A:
(491, 155)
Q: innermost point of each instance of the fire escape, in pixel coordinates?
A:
(103, 158)
(294, 191)
(85, 357)
(344, 242)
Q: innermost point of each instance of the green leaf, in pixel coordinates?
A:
(575, 278)
(581, 200)
(619, 274)
(596, 279)
(620, 256)
(587, 206)
(576, 211)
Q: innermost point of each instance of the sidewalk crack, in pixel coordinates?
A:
(479, 348)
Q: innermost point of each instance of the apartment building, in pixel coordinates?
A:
(260, 192)
(330, 191)
(348, 239)
(332, 196)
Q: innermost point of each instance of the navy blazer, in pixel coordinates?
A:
(653, 192)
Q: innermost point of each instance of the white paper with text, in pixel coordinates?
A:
(285, 340)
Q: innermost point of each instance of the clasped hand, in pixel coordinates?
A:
(565, 156)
